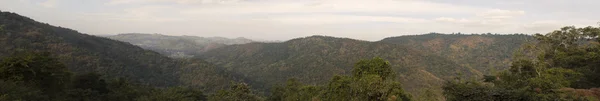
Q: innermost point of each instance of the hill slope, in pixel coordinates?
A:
(315, 59)
(483, 53)
(177, 46)
(85, 53)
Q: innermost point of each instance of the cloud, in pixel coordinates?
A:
(306, 17)
(333, 6)
(290, 12)
(542, 26)
(118, 2)
(500, 14)
(49, 3)
(344, 19)
(285, 19)
(489, 19)
(451, 20)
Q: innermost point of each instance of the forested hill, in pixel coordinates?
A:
(485, 53)
(177, 46)
(315, 59)
(83, 53)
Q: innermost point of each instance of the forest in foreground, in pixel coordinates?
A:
(44, 62)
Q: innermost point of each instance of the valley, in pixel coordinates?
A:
(58, 63)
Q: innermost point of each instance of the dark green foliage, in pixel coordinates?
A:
(122, 90)
(464, 90)
(422, 62)
(174, 94)
(371, 81)
(237, 92)
(560, 60)
(573, 48)
(14, 91)
(36, 70)
(338, 88)
(294, 91)
(314, 60)
(89, 81)
(376, 66)
(473, 90)
(88, 87)
(484, 53)
(81, 53)
(37, 76)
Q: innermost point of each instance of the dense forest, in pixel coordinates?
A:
(39, 61)
(83, 53)
(484, 53)
(37, 76)
(562, 65)
(422, 67)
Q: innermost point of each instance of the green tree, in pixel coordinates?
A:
(88, 87)
(38, 70)
(237, 92)
(376, 66)
(174, 94)
(573, 48)
(473, 90)
(15, 91)
(122, 90)
(372, 80)
(564, 58)
(294, 91)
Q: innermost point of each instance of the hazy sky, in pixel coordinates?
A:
(286, 19)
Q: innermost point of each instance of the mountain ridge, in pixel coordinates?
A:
(314, 59)
(177, 46)
(83, 53)
(485, 53)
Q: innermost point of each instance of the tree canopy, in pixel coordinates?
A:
(372, 80)
(562, 59)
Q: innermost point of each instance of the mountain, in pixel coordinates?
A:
(177, 46)
(484, 53)
(83, 53)
(315, 59)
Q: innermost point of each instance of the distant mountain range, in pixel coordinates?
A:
(421, 62)
(177, 46)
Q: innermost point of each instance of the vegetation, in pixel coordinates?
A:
(313, 60)
(561, 60)
(44, 62)
(81, 53)
(372, 80)
(38, 77)
(483, 53)
(237, 92)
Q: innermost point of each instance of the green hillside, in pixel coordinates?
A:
(82, 53)
(484, 53)
(315, 59)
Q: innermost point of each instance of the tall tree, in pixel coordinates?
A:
(237, 92)
(372, 80)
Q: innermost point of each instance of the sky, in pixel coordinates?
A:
(286, 19)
